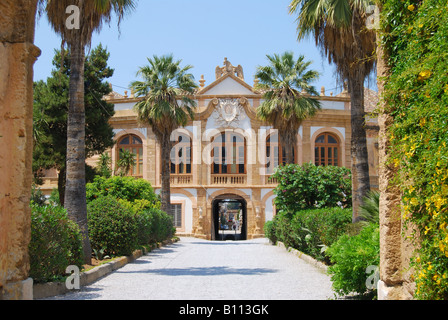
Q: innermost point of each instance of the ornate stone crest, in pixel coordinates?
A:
(229, 68)
(229, 112)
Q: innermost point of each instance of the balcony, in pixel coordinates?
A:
(269, 180)
(229, 179)
(181, 179)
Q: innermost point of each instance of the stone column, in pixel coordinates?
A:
(395, 251)
(17, 57)
(200, 223)
(259, 214)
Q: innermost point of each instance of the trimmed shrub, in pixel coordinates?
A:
(269, 231)
(317, 229)
(310, 231)
(125, 188)
(144, 228)
(161, 225)
(56, 243)
(351, 256)
(310, 186)
(113, 226)
(118, 227)
(154, 225)
(283, 229)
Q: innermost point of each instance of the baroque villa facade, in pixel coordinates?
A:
(222, 161)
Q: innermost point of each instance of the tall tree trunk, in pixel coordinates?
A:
(360, 158)
(75, 189)
(166, 172)
(61, 185)
(288, 140)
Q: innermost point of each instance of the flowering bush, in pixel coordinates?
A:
(417, 99)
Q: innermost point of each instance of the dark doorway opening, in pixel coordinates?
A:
(229, 218)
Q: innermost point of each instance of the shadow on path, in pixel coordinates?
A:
(225, 243)
(205, 271)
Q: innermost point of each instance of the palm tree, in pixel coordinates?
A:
(166, 105)
(126, 162)
(287, 96)
(339, 29)
(104, 165)
(92, 15)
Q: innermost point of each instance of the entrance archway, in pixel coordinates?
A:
(229, 218)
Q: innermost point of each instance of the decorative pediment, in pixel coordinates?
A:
(227, 85)
(229, 81)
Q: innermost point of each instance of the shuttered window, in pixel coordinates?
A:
(176, 213)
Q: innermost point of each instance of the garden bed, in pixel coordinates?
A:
(92, 272)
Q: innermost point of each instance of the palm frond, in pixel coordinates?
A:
(93, 15)
(369, 210)
(338, 27)
(166, 90)
(283, 82)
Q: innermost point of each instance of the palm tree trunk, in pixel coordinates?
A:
(288, 141)
(360, 159)
(166, 172)
(61, 185)
(75, 190)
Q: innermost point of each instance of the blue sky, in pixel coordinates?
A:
(200, 33)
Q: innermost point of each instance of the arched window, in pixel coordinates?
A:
(273, 151)
(134, 145)
(229, 154)
(181, 154)
(327, 150)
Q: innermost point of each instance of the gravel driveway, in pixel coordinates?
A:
(194, 269)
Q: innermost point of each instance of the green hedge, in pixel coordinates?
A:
(55, 243)
(328, 235)
(123, 215)
(118, 227)
(125, 188)
(112, 226)
(309, 231)
(270, 232)
(350, 258)
(162, 227)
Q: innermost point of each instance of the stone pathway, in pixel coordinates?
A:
(194, 269)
